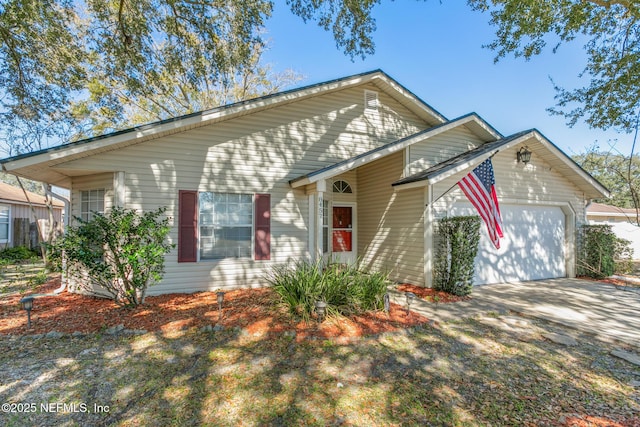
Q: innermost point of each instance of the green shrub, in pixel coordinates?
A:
(122, 251)
(17, 253)
(601, 253)
(454, 264)
(345, 289)
(596, 251)
(623, 255)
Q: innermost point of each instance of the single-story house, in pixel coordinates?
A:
(357, 168)
(19, 210)
(623, 222)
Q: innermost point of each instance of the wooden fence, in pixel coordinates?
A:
(25, 232)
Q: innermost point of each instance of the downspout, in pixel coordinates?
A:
(67, 206)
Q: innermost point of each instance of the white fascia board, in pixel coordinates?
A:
(375, 155)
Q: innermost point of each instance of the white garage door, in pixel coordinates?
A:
(532, 247)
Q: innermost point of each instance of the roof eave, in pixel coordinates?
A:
(598, 190)
(390, 148)
(157, 129)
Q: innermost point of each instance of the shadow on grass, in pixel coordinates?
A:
(464, 373)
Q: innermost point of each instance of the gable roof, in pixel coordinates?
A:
(15, 195)
(38, 165)
(537, 142)
(472, 120)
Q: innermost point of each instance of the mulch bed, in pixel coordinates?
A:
(431, 295)
(254, 310)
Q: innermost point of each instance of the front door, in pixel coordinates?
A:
(343, 234)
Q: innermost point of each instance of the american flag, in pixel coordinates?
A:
(480, 188)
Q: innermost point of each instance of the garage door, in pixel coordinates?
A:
(532, 247)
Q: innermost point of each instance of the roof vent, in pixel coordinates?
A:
(370, 100)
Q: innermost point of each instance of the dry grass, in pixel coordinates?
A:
(474, 372)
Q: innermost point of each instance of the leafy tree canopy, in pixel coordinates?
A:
(612, 30)
(616, 173)
(72, 68)
(107, 53)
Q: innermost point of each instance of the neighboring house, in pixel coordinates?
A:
(623, 221)
(350, 169)
(17, 212)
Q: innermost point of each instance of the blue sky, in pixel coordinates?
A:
(435, 50)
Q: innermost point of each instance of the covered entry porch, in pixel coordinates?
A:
(357, 216)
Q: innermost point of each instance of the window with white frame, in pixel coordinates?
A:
(92, 202)
(342, 186)
(226, 225)
(5, 212)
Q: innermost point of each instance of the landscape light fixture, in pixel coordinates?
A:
(220, 295)
(27, 304)
(387, 303)
(410, 297)
(321, 310)
(524, 155)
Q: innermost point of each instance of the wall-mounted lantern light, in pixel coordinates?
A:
(524, 155)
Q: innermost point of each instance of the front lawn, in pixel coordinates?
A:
(487, 371)
(20, 276)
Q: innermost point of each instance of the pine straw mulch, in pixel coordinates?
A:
(254, 310)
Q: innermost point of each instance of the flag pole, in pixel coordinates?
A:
(454, 185)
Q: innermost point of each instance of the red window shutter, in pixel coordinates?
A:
(262, 227)
(187, 226)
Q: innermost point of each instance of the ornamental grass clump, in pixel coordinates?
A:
(345, 288)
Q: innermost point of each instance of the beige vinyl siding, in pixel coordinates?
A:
(390, 223)
(537, 183)
(439, 148)
(24, 211)
(257, 153)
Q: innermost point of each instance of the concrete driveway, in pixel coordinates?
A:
(593, 307)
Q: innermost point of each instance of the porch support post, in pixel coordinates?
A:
(321, 188)
(316, 199)
(428, 236)
(313, 218)
(119, 191)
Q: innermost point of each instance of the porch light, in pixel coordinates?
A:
(27, 304)
(410, 296)
(321, 310)
(524, 155)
